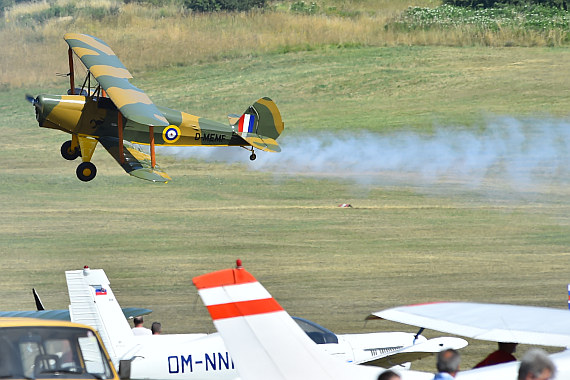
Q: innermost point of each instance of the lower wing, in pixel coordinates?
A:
(135, 162)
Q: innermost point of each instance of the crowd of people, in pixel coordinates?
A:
(535, 364)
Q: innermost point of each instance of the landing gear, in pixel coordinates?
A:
(86, 171)
(68, 153)
(252, 157)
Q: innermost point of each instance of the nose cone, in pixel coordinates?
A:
(45, 104)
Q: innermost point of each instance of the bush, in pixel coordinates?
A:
(301, 7)
(223, 5)
(561, 4)
(535, 17)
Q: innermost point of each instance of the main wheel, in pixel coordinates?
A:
(86, 171)
(68, 153)
(252, 157)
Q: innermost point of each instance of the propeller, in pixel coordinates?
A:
(31, 99)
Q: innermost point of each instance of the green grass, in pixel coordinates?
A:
(377, 89)
(399, 244)
(337, 72)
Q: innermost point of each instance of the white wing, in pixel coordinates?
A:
(491, 322)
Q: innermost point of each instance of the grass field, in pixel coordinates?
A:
(405, 240)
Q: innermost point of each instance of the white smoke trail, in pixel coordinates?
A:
(521, 152)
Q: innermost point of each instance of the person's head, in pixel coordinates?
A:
(156, 328)
(508, 347)
(536, 365)
(448, 361)
(389, 375)
(138, 321)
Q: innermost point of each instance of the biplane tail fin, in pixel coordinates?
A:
(260, 125)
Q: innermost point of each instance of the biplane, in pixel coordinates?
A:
(120, 116)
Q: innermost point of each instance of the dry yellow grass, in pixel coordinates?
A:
(31, 55)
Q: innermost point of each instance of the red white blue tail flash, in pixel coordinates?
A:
(246, 123)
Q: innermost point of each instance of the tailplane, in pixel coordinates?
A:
(92, 303)
(260, 125)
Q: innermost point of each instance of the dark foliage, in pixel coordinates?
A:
(223, 5)
(561, 4)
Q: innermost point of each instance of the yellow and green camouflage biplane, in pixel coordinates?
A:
(117, 114)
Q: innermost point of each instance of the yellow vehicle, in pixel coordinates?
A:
(44, 349)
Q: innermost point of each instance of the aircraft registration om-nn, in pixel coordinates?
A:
(117, 114)
(204, 356)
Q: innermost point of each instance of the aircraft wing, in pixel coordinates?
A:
(136, 163)
(63, 315)
(415, 352)
(114, 77)
(491, 322)
(263, 340)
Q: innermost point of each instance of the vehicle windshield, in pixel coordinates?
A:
(39, 352)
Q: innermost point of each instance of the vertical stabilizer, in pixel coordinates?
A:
(264, 341)
(92, 303)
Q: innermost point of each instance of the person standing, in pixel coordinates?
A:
(156, 328)
(503, 355)
(536, 365)
(447, 364)
(139, 329)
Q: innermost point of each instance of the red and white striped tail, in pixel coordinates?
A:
(263, 340)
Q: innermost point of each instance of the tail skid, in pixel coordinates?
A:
(93, 303)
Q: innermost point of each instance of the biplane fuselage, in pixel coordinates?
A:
(97, 117)
(117, 114)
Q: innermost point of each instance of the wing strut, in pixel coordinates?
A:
(120, 130)
(71, 74)
(152, 155)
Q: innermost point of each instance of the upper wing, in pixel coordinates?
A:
(135, 162)
(114, 77)
(492, 322)
(263, 339)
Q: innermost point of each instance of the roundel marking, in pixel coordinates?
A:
(171, 134)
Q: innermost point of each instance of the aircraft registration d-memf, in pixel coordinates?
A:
(117, 114)
(204, 356)
(266, 345)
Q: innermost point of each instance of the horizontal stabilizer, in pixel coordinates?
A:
(135, 162)
(416, 352)
(63, 315)
(491, 322)
(264, 143)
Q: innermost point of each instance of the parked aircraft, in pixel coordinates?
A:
(492, 322)
(63, 315)
(204, 356)
(265, 343)
(117, 114)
